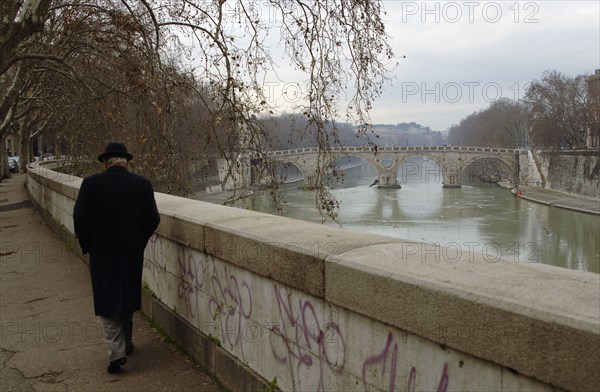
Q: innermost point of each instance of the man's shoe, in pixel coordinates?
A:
(129, 349)
(115, 366)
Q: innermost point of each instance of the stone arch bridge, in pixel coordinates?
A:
(453, 160)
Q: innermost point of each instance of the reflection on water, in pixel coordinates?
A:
(480, 218)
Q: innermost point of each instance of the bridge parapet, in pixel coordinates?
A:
(255, 297)
(394, 148)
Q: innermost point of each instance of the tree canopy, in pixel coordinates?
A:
(503, 124)
(561, 111)
(178, 78)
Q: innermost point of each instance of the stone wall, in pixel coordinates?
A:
(529, 174)
(575, 172)
(256, 298)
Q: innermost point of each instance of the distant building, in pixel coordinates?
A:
(407, 134)
(593, 135)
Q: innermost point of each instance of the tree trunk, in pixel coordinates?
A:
(4, 172)
(24, 147)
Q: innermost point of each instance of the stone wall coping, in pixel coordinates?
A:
(540, 320)
(556, 291)
(65, 184)
(289, 251)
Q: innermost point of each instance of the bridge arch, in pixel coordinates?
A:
(362, 158)
(281, 175)
(472, 169)
(423, 173)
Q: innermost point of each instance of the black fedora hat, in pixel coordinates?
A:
(115, 150)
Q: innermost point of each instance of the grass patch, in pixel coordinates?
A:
(272, 386)
(148, 291)
(165, 336)
(215, 340)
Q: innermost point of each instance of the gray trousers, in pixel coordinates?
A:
(118, 332)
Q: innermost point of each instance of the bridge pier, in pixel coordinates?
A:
(452, 186)
(451, 175)
(388, 180)
(310, 180)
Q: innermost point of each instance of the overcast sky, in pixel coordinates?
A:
(462, 55)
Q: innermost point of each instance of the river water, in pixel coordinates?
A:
(480, 218)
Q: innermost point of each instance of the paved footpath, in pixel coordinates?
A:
(562, 200)
(50, 339)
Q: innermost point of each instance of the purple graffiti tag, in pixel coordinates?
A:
(442, 386)
(318, 335)
(152, 256)
(192, 270)
(310, 334)
(191, 281)
(381, 359)
(231, 305)
(185, 292)
(288, 320)
(411, 380)
(333, 334)
(304, 326)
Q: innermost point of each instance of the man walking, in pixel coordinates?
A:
(115, 215)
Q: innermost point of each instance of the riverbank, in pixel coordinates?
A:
(561, 200)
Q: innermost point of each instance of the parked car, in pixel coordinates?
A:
(13, 164)
(44, 157)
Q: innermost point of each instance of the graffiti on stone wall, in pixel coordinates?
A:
(314, 351)
(308, 343)
(192, 267)
(230, 306)
(154, 261)
(382, 369)
(310, 348)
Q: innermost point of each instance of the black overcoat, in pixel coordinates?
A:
(115, 215)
